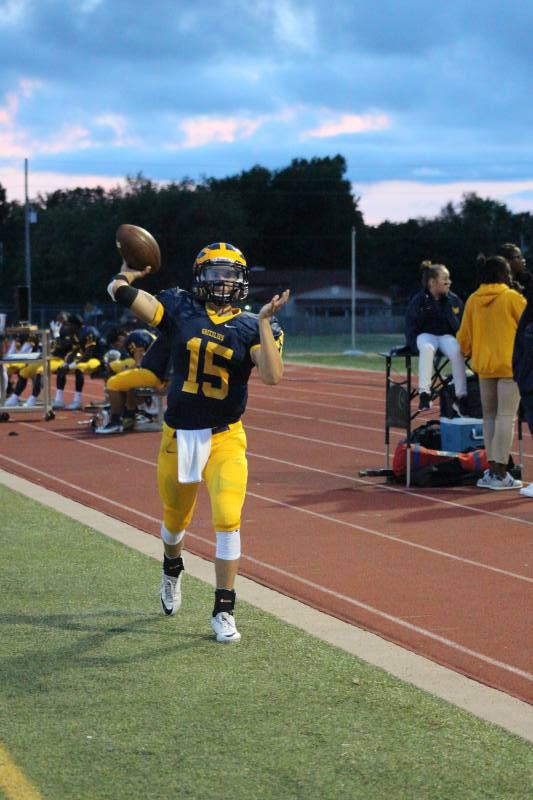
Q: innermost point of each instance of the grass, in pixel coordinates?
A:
(330, 350)
(101, 697)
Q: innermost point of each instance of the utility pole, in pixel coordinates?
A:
(27, 249)
(353, 285)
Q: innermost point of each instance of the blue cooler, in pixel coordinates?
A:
(461, 433)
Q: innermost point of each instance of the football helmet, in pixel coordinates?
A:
(88, 336)
(139, 339)
(220, 274)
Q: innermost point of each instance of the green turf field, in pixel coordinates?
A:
(101, 697)
(330, 350)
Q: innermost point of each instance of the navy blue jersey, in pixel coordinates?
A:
(211, 361)
(157, 357)
(65, 343)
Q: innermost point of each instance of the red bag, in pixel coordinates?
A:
(421, 457)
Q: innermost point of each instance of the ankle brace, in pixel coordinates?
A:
(224, 601)
(172, 566)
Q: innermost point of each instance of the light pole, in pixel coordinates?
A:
(353, 351)
(27, 250)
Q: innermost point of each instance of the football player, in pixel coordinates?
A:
(214, 347)
(21, 344)
(145, 366)
(83, 359)
(64, 347)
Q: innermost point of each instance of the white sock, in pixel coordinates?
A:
(59, 396)
(77, 397)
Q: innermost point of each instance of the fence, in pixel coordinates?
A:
(301, 324)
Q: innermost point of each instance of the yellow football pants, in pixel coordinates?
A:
(88, 366)
(225, 475)
(135, 378)
(55, 363)
(28, 370)
(121, 364)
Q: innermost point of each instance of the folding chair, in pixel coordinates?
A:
(398, 396)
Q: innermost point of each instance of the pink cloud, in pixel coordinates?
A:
(203, 130)
(398, 201)
(8, 112)
(12, 180)
(349, 123)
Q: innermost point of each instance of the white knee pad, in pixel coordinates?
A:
(171, 538)
(228, 545)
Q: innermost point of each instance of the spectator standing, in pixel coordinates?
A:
(521, 278)
(432, 319)
(523, 367)
(487, 335)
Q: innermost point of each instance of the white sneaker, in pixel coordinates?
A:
(57, 404)
(145, 422)
(527, 491)
(74, 406)
(111, 427)
(12, 401)
(224, 627)
(170, 594)
(484, 482)
(507, 482)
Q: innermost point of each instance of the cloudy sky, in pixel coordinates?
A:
(424, 101)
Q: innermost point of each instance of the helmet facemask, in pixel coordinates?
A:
(220, 282)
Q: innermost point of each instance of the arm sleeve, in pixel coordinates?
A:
(168, 305)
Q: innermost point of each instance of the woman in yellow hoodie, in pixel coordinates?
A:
(487, 336)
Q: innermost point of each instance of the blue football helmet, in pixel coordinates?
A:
(88, 336)
(220, 274)
(139, 339)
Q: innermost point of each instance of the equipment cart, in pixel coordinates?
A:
(42, 358)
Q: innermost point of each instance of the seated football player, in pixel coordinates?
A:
(84, 359)
(146, 367)
(63, 349)
(23, 343)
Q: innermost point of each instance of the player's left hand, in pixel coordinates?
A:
(275, 304)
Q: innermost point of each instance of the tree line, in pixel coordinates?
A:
(295, 218)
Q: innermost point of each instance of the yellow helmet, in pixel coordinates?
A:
(220, 274)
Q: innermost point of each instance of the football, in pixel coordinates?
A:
(138, 248)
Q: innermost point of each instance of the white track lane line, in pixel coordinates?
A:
(394, 433)
(410, 492)
(329, 518)
(315, 586)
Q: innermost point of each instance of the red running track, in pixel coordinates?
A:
(446, 573)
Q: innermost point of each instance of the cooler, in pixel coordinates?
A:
(461, 433)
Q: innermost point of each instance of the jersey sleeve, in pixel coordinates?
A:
(167, 303)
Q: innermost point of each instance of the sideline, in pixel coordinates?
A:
(482, 701)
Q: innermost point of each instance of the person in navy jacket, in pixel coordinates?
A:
(433, 318)
(523, 366)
